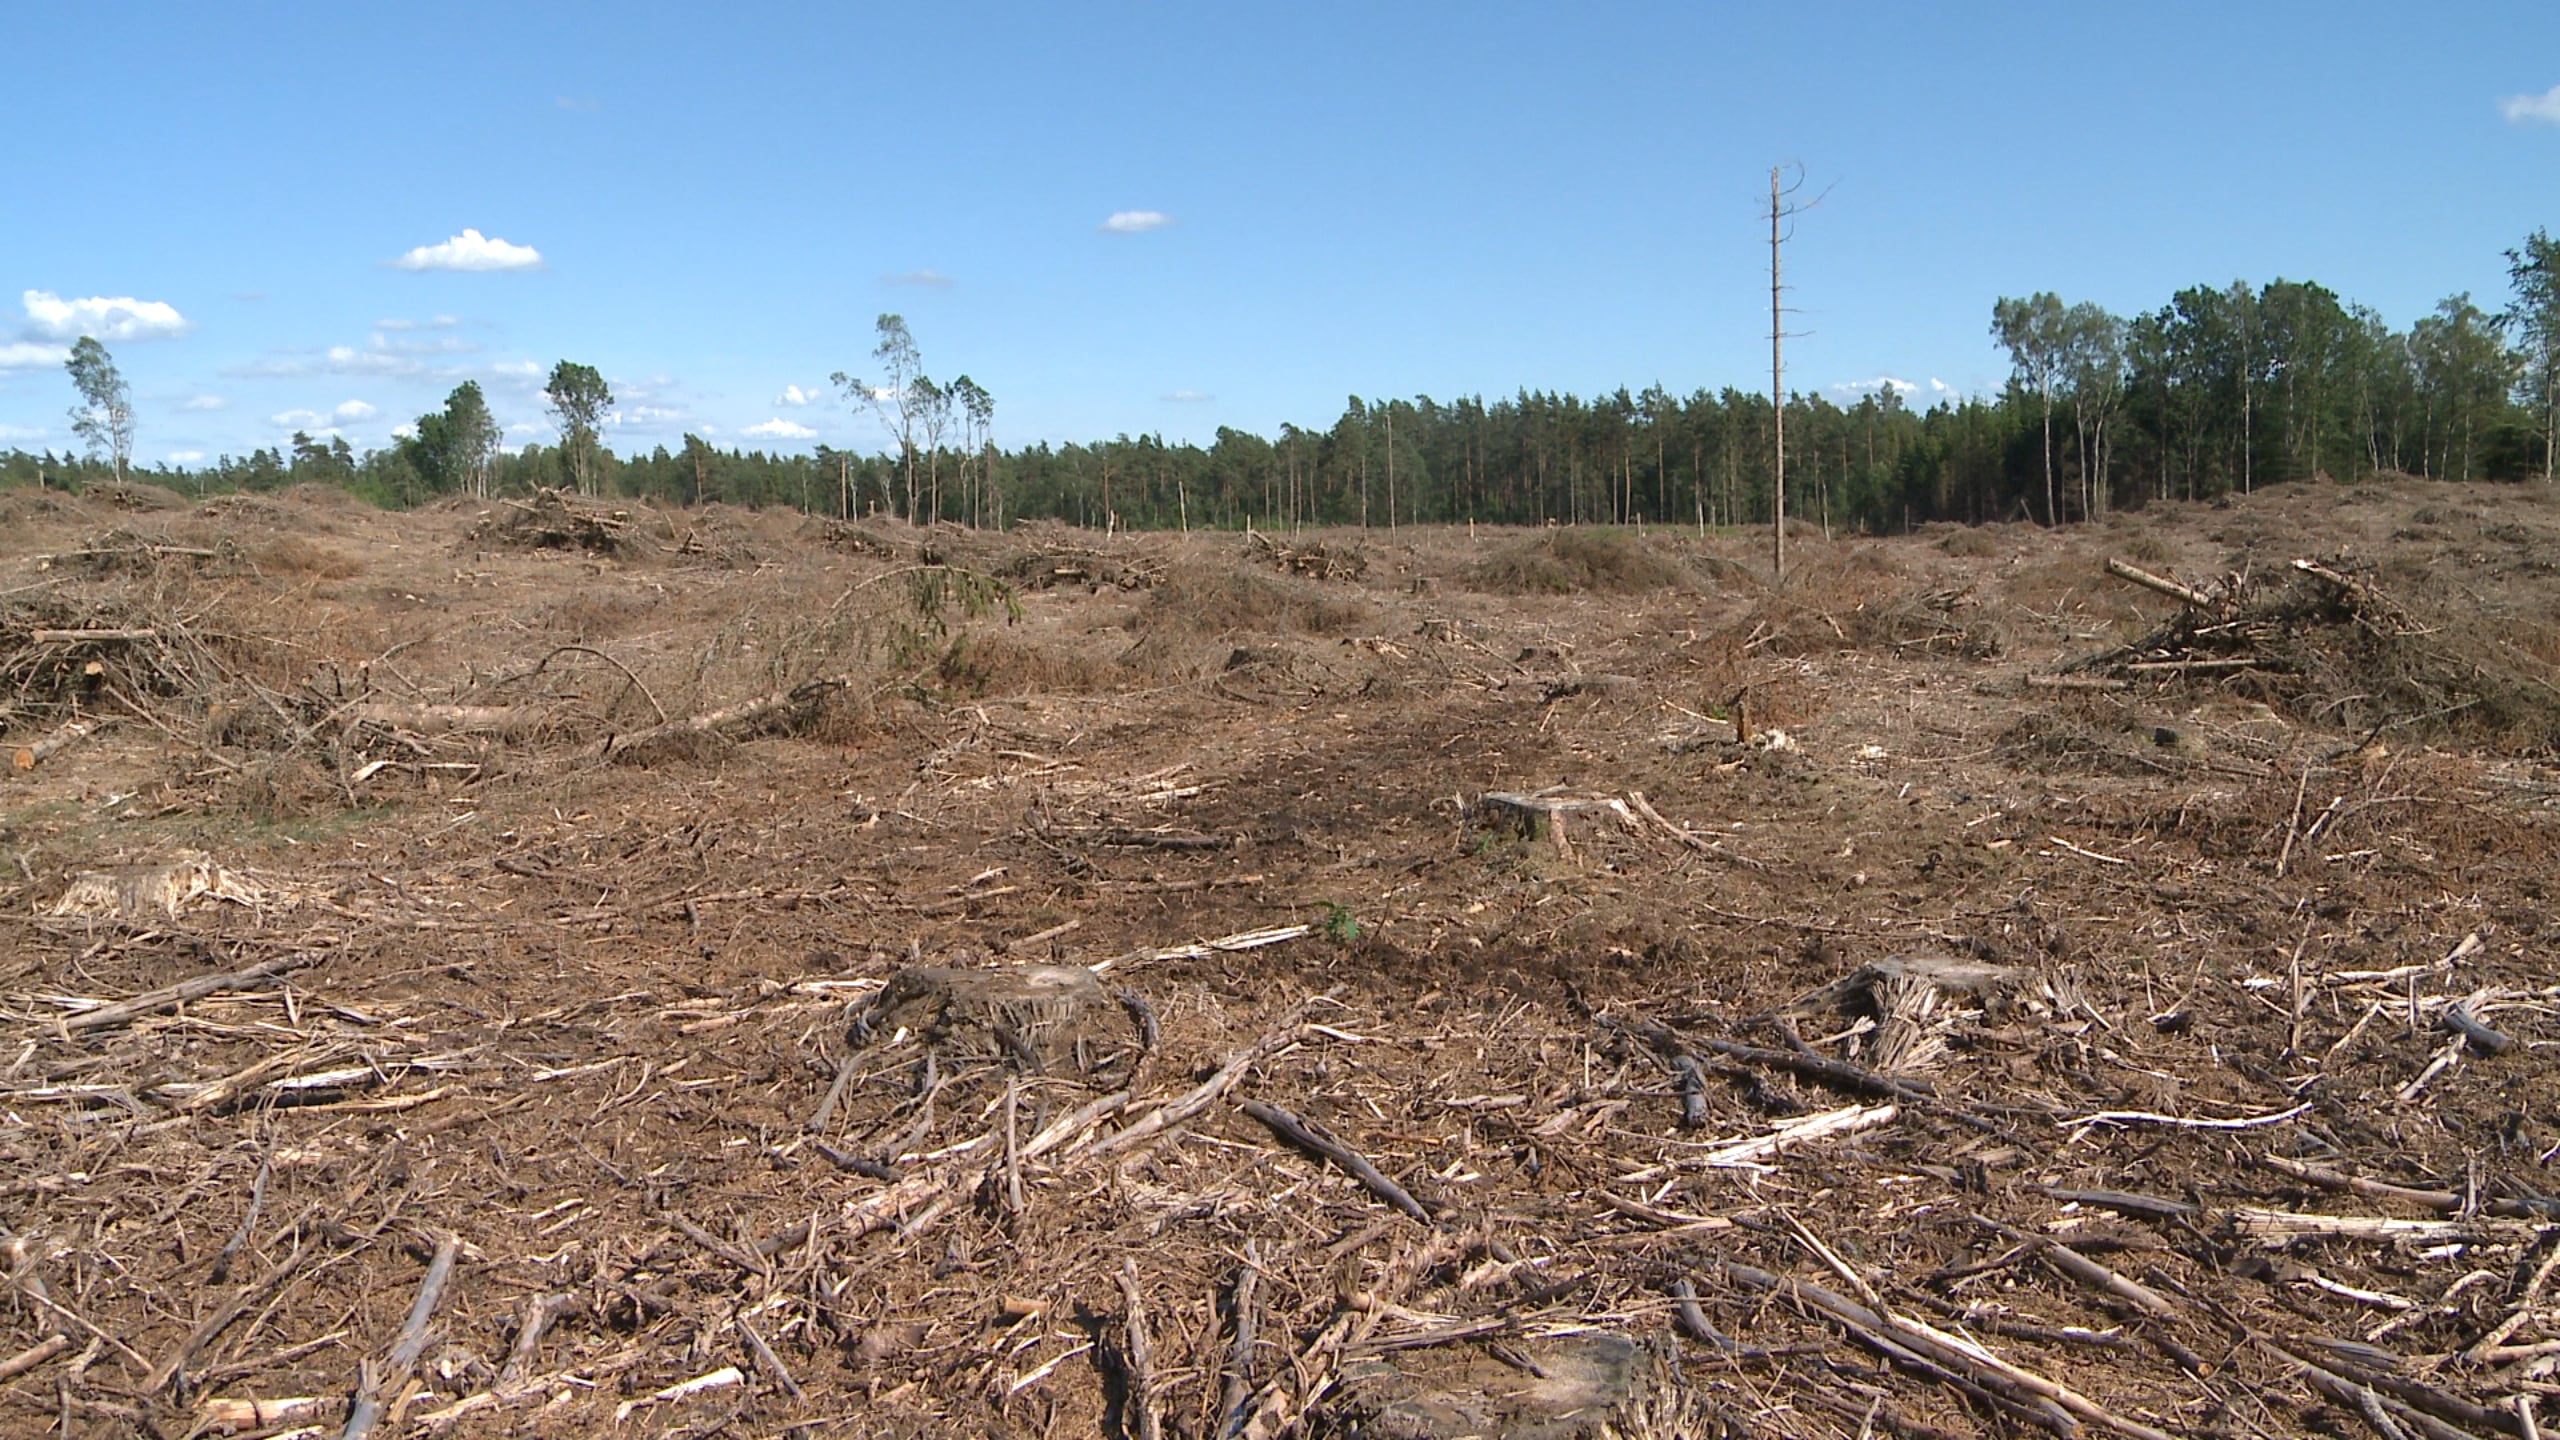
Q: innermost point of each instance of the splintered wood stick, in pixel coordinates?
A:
(1236, 1393)
(1309, 1135)
(1140, 1356)
(539, 1313)
(380, 1383)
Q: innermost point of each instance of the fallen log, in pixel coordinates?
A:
(43, 747)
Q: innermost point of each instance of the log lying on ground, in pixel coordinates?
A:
(445, 719)
(69, 733)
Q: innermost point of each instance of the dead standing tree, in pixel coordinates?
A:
(1781, 210)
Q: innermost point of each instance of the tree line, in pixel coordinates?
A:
(2221, 388)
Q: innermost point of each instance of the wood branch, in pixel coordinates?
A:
(2076, 682)
(445, 719)
(539, 1313)
(1235, 1393)
(735, 722)
(2126, 1202)
(2278, 1228)
(34, 1355)
(1139, 1353)
(1969, 1358)
(172, 996)
(1174, 1112)
(2420, 1400)
(43, 747)
(2218, 666)
(2458, 1018)
(1312, 1136)
(77, 637)
(2161, 585)
(2441, 1201)
(1745, 1154)
(379, 1384)
(2088, 1272)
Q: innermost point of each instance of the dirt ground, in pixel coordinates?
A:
(612, 972)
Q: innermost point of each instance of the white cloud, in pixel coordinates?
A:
(794, 395)
(519, 369)
(920, 279)
(471, 250)
(1189, 397)
(20, 432)
(185, 457)
(526, 427)
(336, 360)
(355, 410)
(204, 402)
(404, 432)
(50, 317)
(2542, 109)
(434, 322)
(1133, 222)
(299, 419)
(22, 355)
(782, 430)
(1870, 387)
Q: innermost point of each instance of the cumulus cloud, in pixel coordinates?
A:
(919, 279)
(355, 410)
(1189, 397)
(298, 419)
(2542, 109)
(20, 432)
(50, 317)
(794, 395)
(518, 369)
(1136, 222)
(778, 429)
(185, 457)
(204, 402)
(404, 431)
(25, 355)
(471, 250)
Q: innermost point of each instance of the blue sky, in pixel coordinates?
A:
(1327, 199)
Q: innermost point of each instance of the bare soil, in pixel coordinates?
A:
(2099, 1008)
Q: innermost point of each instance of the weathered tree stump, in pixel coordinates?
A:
(1054, 1020)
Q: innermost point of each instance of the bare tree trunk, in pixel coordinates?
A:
(1777, 395)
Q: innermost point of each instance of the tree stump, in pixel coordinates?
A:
(1573, 1387)
(1053, 1020)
